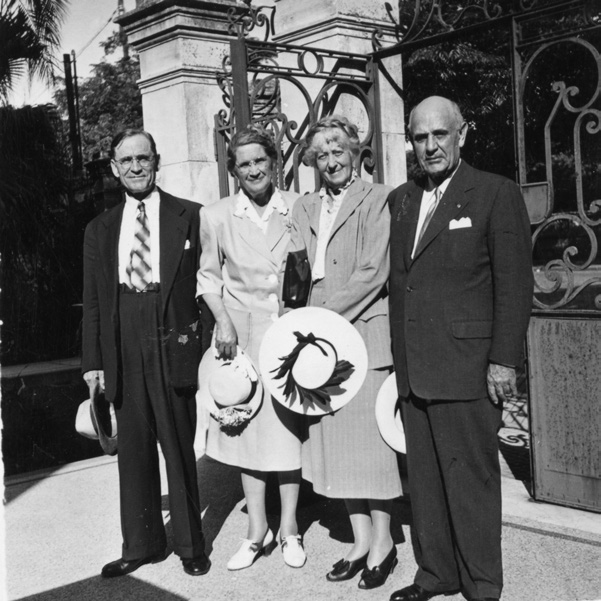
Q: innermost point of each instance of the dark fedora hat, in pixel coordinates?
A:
(96, 419)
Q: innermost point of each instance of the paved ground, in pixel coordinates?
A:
(62, 526)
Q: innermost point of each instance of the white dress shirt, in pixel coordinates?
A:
(128, 232)
(428, 197)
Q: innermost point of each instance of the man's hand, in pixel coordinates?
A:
(93, 378)
(501, 382)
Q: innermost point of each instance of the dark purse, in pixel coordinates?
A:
(297, 279)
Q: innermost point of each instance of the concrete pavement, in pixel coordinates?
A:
(63, 525)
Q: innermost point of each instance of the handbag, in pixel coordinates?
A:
(297, 279)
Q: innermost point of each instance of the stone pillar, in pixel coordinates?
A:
(347, 26)
(182, 45)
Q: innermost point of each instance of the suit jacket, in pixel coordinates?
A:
(239, 262)
(184, 336)
(464, 300)
(356, 264)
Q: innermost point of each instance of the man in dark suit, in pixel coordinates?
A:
(142, 341)
(460, 295)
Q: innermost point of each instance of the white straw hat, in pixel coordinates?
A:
(388, 415)
(96, 420)
(230, 389)
(313, 361)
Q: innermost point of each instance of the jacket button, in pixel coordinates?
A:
(409, 289)
(335, 261)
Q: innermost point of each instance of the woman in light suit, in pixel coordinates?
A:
(344, 228)
(244, 239)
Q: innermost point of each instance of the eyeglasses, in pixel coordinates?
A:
(143, 160)
(260, 164)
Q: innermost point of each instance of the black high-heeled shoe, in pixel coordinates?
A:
(345, 570)
(377, 576)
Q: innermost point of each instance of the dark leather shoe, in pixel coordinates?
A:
(413, 592)
(345, 570)
(196, 566)
(375, 577)
(121, 567)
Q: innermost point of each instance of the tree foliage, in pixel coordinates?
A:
(41, 238)
(109, 101)
(29, 37)
(477, 75)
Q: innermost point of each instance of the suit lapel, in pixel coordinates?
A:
(250, 232)
(452, 202)
(110, 251)
(276, 229)
(406, 216)
(355, 195)
(172, 233)
(313, 209)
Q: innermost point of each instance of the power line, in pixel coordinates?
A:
(110, 19)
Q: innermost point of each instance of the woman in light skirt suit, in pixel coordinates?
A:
(345, 229)
(244, 239)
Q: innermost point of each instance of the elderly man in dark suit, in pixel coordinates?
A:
(460, 295)
(142, 342)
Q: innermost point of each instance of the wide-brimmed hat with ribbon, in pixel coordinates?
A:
(230, 389)
(313, 361)
(388, 415)
(96, 420)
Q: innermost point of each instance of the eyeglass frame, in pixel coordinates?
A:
(143, 160)
(248, 165)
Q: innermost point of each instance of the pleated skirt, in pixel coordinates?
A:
(344, 455)
(271, 440)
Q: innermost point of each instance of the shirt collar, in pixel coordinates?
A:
(276, 203)
(150, 200)
(341, 192)
(445, 184)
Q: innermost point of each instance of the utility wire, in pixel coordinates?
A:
(59, 65)
(109, 20)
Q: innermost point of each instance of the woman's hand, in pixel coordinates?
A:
(226, 337)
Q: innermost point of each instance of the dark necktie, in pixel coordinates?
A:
(139, 268)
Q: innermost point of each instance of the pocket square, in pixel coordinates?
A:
(187, 245)
(456, 224)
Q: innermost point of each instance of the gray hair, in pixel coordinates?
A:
(332, 122)
(251, 134)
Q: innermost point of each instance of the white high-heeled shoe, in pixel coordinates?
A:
(250, 551)
(293, 551)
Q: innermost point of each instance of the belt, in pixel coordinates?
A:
(152, 287)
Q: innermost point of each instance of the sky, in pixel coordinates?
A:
(88, 22)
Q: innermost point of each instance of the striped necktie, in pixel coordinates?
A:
(428, 218)
(139, 268)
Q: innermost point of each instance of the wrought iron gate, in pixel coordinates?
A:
(534, 67)
(549, 50)
(286, 88)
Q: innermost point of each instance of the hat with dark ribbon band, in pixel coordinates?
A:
(321, 394)
(313, 361)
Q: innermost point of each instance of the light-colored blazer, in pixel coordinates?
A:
(238, 261)
(357, 263)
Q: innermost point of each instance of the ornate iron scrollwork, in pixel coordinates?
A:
(571, 279)
(427, 18)
(251, 18)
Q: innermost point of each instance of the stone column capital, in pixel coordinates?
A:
(153, 21)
